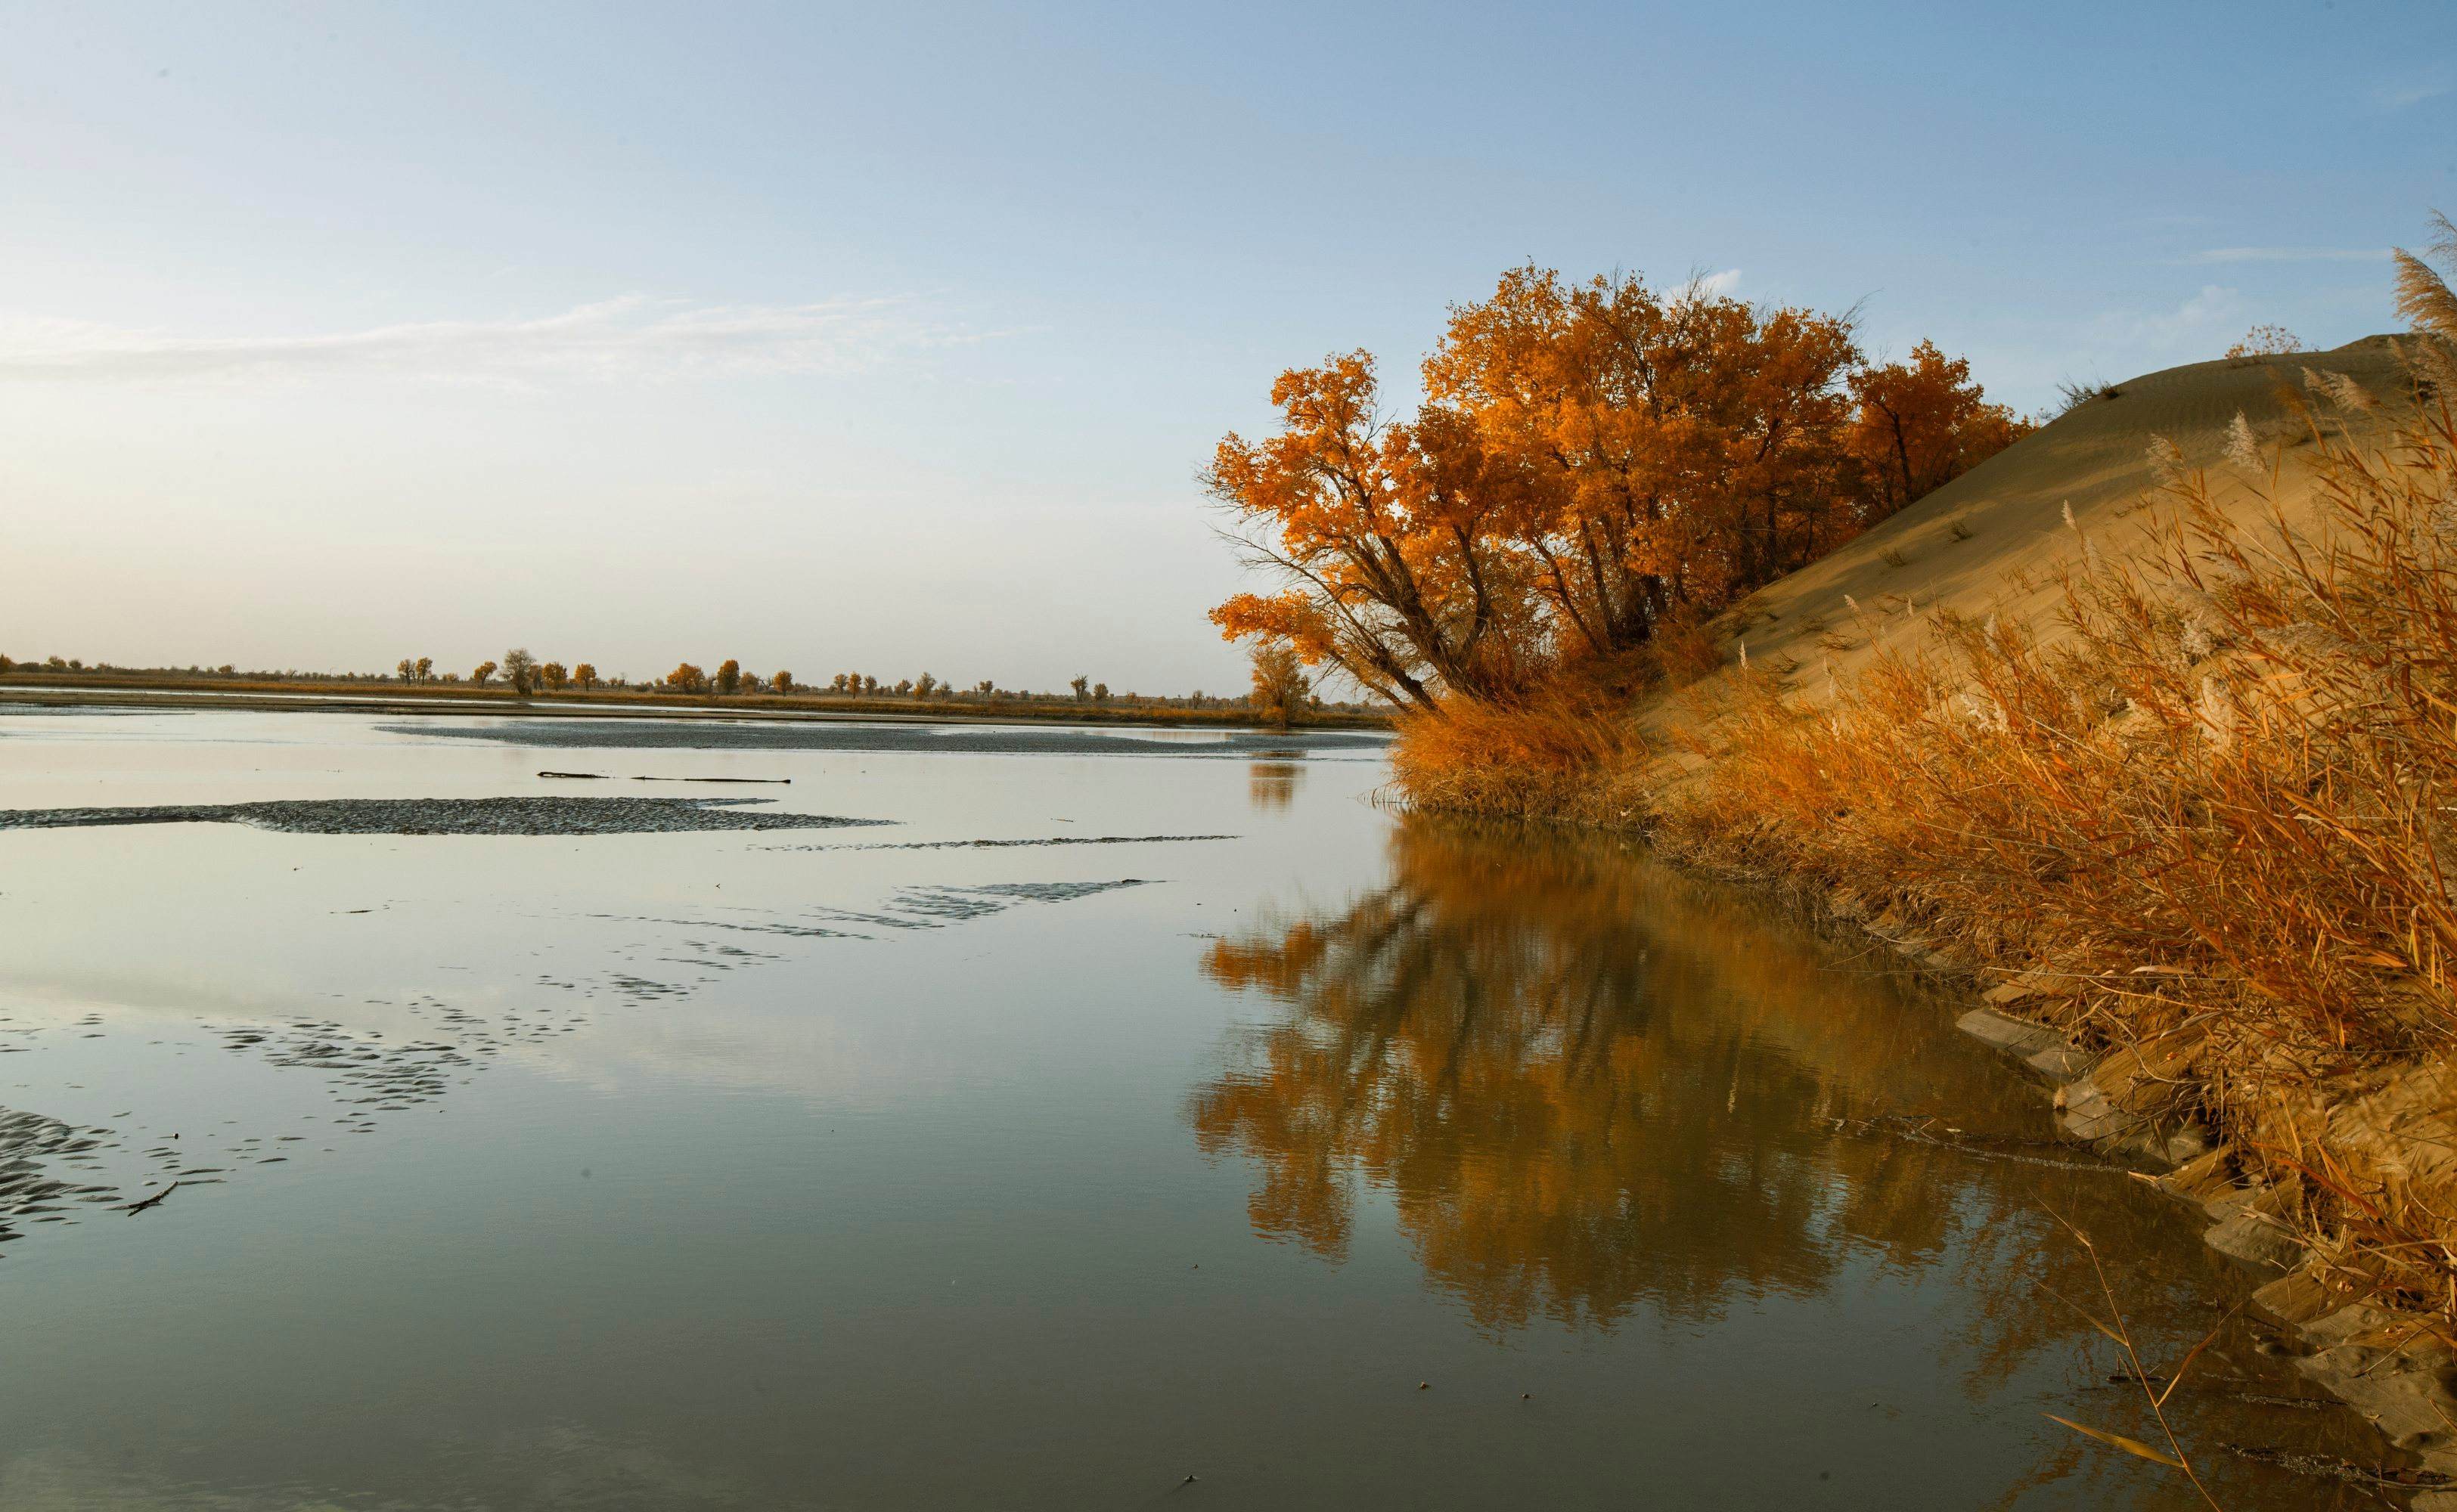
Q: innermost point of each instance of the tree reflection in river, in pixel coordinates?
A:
(1272, 785)
(1582, 1088)
(1589, 1086)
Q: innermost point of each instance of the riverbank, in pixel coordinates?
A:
(2140, 729)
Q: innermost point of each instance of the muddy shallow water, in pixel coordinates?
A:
(1105, 1116)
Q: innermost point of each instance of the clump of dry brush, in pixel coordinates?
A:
(1548, 755)
(2209, 816)
(1561, 750)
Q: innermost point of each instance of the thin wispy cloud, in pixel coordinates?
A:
(2290, 254)
(1716, 285)
(2412, 92)
(2189, 325)
(632, 339)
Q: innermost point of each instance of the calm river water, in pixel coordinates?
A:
(1126, 1121)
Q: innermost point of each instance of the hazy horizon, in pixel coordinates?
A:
(838, 341)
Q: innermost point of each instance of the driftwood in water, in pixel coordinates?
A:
(134, 1208)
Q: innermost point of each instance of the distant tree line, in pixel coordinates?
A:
(1282, 694)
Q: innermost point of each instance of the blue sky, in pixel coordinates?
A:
(891, 338)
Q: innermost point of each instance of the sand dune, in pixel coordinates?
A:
(2096, 458)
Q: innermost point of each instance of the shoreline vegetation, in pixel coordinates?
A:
(2145, 724)
(25, 683)
(1280, 695)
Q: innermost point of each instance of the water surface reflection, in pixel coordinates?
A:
(1272, 785)
(1592, 1091)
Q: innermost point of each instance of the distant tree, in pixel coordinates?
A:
(426, 670)
(925, 685)
(728, 676)
(869, 684)
(484, 670)
(77, 665)
(838, 685)
(1281, 686)
(983, 688)
(1082, 687)
(554, 676)
(1100, 692)
(586, 675)
(408, 670)
(521, 670)
(903, 686)
(452, 677)
(781, 683)
(687, 679)
(7, 666)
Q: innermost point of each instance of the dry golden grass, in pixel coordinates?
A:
(1557, 751)
(1542, 758)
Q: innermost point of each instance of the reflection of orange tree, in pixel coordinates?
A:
(1273, 784)
(1574, 1103)
(1586, 1081)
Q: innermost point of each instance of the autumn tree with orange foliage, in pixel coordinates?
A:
(1674, 448)
(1921, 424)
(1387, 535)
(1594, 464)
(1282, 691)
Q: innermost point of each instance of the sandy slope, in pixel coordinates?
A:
(2095, 458)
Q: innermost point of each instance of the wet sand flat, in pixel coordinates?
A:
(446, 816)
